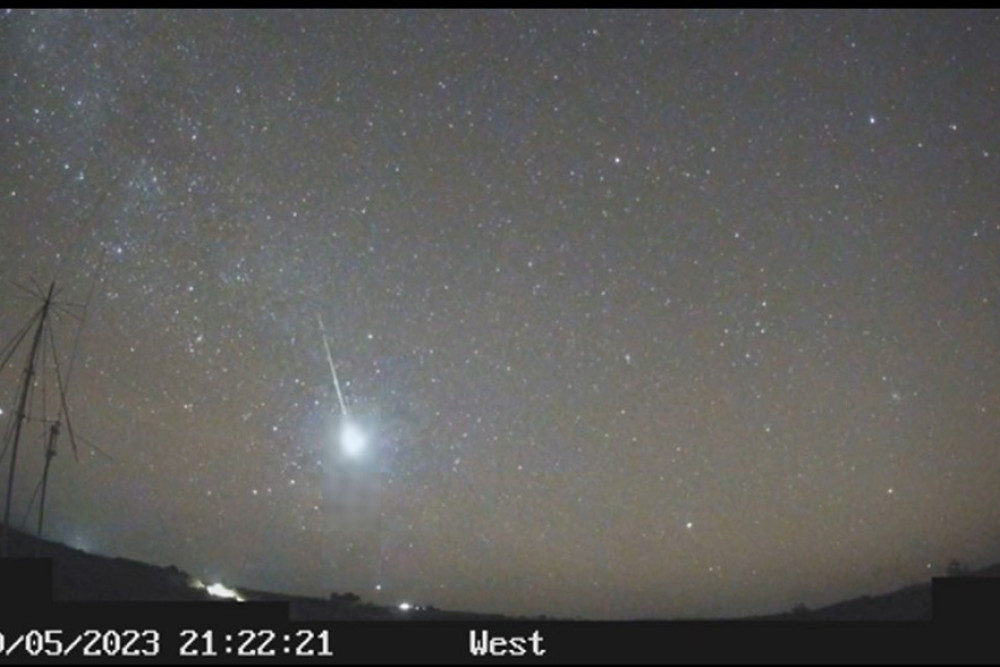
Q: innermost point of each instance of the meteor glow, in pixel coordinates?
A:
(353, 439)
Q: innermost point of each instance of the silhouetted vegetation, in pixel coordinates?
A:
(957, 568)
(345, 599)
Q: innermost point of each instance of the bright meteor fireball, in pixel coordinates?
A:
(353, 439)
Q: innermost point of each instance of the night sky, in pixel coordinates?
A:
(643, 314)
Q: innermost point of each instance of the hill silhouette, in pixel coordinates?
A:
(82, 576)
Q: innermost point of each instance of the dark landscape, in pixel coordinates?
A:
(81, 576)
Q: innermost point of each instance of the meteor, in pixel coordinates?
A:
(353, 439)
(333, 369)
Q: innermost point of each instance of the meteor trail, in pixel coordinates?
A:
(353, 439)
(333, 369)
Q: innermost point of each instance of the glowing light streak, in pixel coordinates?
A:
(333, 368)
(353, 439)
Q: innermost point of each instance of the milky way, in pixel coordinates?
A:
(662, 314)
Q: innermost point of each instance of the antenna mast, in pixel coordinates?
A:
(50, 452)
(29, 373)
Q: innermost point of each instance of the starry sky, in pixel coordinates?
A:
(643, 314)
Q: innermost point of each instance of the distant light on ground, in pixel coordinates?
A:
(405, 606)
(220, 591)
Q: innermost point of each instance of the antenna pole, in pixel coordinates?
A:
(29, 373)
(49, 454)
